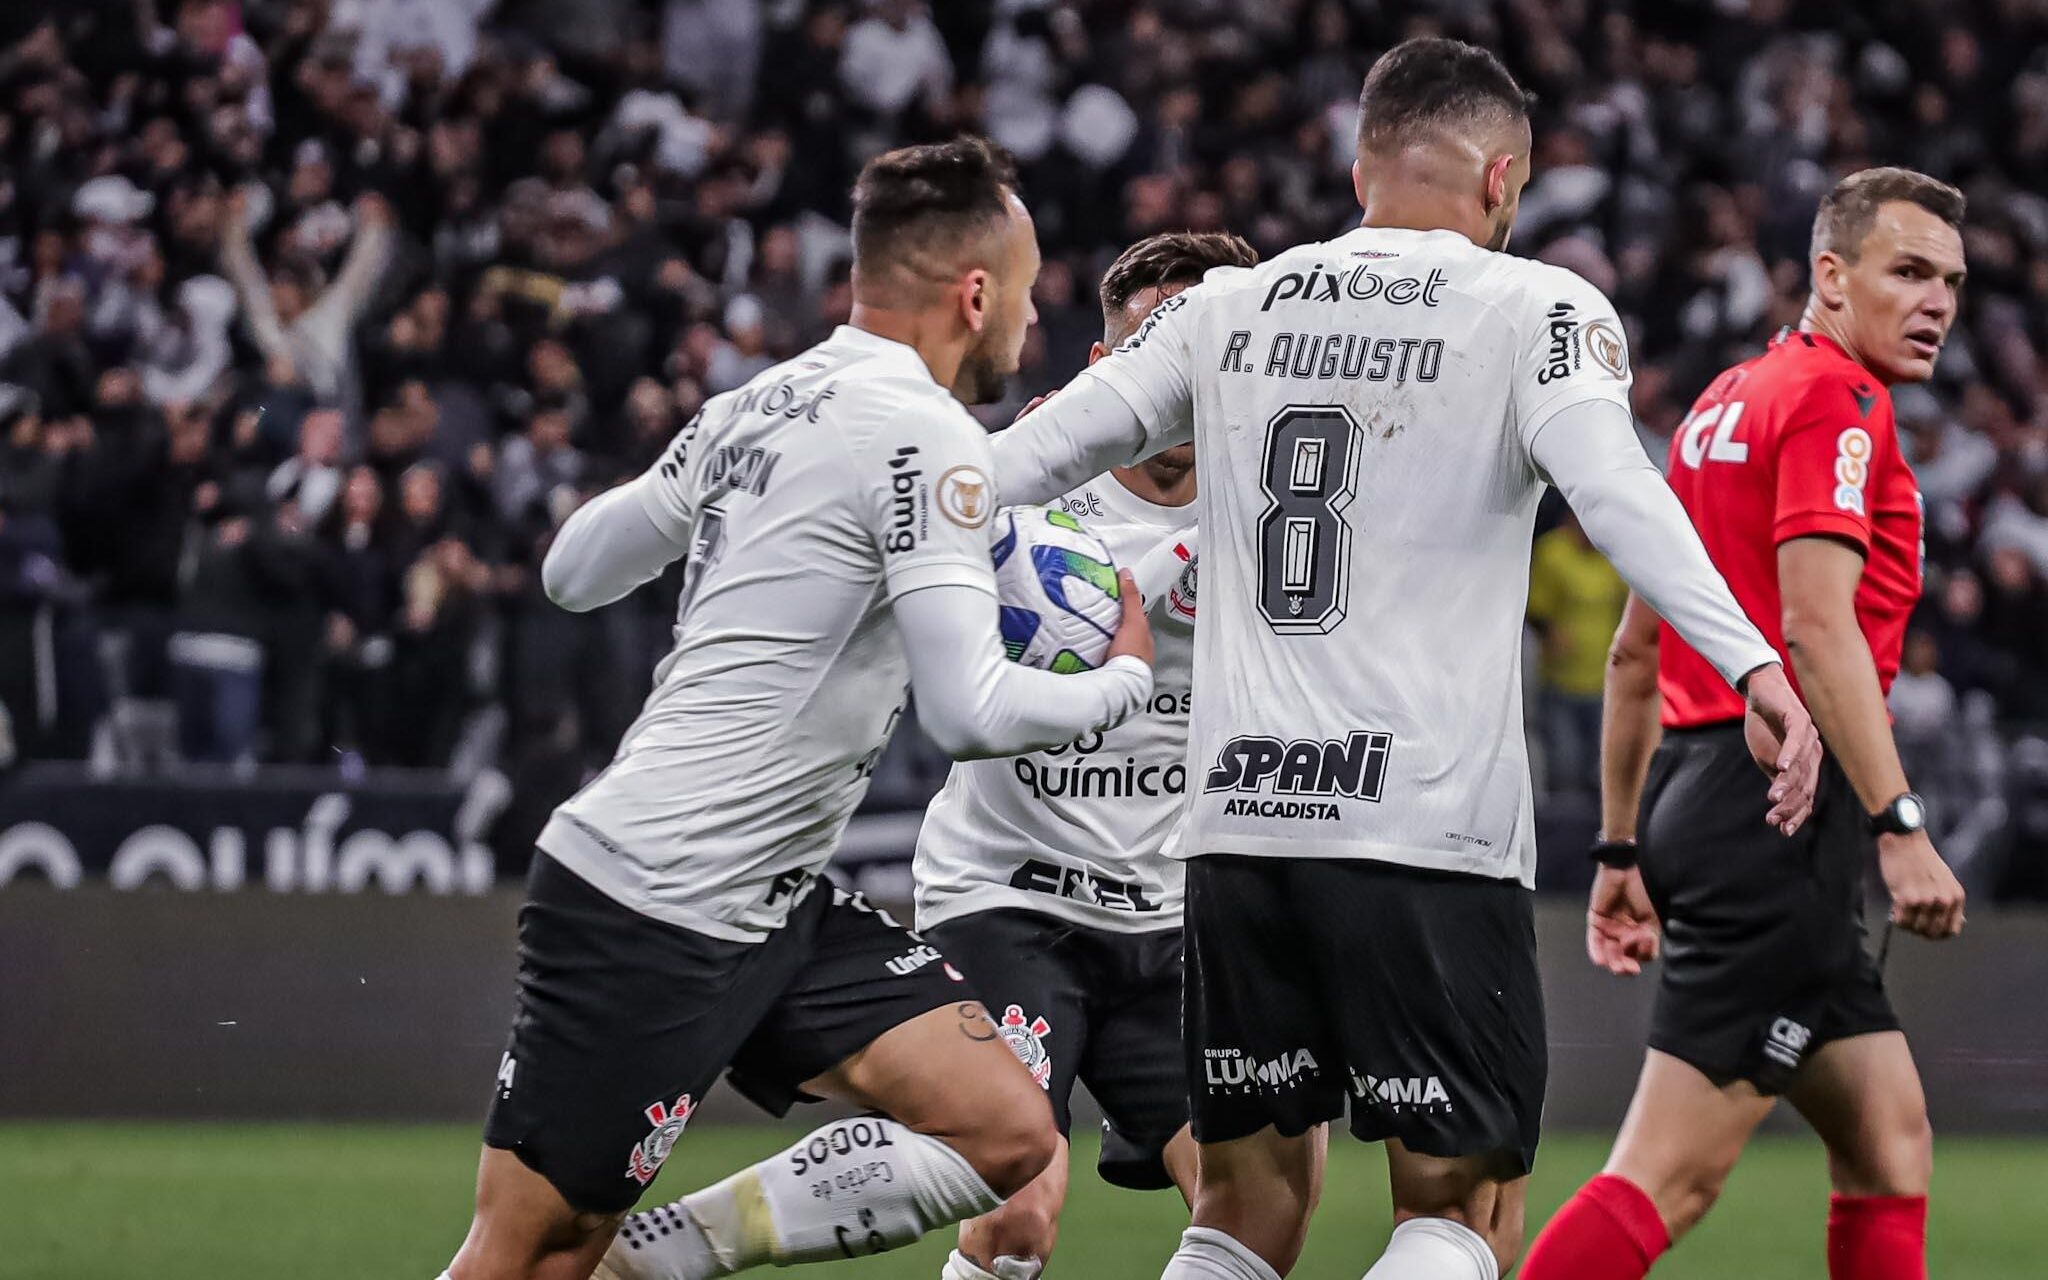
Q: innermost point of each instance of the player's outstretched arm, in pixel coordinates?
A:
(1590, 452)
(1071, 437)
(1123, 408)
(975, 704)
(1817, 579)
(608, 547)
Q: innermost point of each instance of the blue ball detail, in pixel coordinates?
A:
(1055, 566)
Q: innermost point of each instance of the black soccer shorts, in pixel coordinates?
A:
(625, 1022)
(1412, 992)
(1765, 953)
(1087, 1004)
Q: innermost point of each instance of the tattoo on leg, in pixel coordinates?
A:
(975, 1023)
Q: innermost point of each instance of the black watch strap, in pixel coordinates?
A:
(1906, 814)
(1619, 854)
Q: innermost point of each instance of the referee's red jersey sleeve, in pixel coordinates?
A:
(1825, 459)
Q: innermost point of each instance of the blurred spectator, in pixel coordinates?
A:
(311, 478)
(1575, 603)
(293, 317)
(1922, 700)
(533, 465)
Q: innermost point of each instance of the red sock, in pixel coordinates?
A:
(1608, 1231)
(1877, 1237)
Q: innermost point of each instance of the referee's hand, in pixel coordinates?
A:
(1622, 930)
(1785, 745)
(1927, 899)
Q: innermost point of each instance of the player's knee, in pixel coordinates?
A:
(497, 1249)
(1895, 1158)
(1274, 1229)
(1013, 1145)
(1687, 1196)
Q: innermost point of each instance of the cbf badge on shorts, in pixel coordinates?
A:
(1026, 1038)
(645, 1159)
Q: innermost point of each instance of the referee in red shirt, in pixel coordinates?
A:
(1790, 467)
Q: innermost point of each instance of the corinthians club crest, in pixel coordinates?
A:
(645, 1159)
(1026, 1039)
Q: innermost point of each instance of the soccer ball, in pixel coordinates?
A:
(1057, 588)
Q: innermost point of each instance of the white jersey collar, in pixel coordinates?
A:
(1400, 236)
(898, 354)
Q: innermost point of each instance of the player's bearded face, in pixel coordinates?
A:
(986, 369)
(1902, 290)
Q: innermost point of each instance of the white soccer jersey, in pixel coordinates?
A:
(1078, 831)
(811, 497)
(1363, 410)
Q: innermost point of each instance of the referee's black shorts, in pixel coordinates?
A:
(1765, 953)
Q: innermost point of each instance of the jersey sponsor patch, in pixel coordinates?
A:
(1243, 807)
(1357, 283)
(1423, 1094)
(964, 496)
(1355, 767)
(1077, 884)
(909, 522)
(1852, 469)
(1561, 354)
(911, 961)
(1235, 1071)
(1786, 1042)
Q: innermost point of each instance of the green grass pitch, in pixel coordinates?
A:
(113, 1201)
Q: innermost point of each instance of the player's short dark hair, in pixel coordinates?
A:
(1847, 212)
(916, 200)
(1171, 257)
(1430, 83)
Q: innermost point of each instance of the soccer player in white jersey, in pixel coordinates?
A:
(1043, 876)
(1376, 418)
(835, 516)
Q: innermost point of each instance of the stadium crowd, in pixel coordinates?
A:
(318, 316)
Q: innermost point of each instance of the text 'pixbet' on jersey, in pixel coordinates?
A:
(1355, 767)
(1359, 283)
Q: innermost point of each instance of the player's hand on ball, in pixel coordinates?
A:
(1133, 633)
(1785, 745)
(1622, 930)
(1927, 899)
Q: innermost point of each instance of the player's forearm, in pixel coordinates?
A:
(1837, 678)
(1590, 452)
(608, 548)
(1629, 729)
(975, 704)
(1073, 437)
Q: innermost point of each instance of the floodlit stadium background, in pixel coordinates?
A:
(282, 706)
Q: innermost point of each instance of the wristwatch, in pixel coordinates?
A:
(1906, 814)
(1619, 854)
